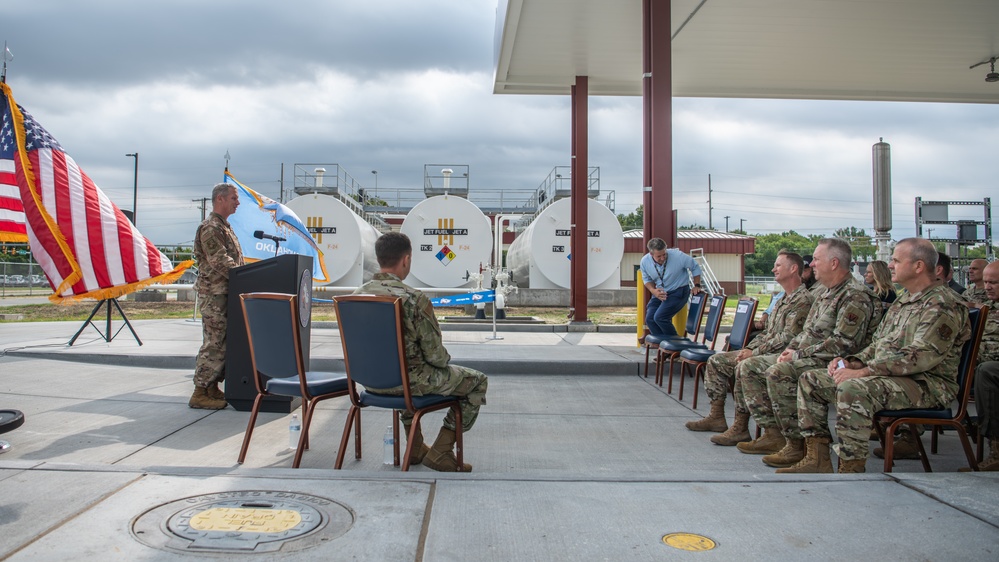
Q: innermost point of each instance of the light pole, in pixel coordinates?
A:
(726, 222)
(740, 225)
(135, 186)
(375, 172)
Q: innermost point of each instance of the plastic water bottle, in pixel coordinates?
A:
(294, 432)
(388, 446)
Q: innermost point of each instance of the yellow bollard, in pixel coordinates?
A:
(680, 321)
(639, 306)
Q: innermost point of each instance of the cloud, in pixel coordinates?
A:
(394, 86)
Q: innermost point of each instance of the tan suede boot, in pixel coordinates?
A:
(989, 463)
(214, 392)
(790, 455)
(441, 456)
(419, 449)
(770, 442)
(736, 433)
(858, 466)
(715, 421)
(905, 447)
(202, 401)
(816, 460)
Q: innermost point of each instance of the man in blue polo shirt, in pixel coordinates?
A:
(665, 275)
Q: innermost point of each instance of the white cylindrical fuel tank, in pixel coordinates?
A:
(451, 238)
(347, 241)
(539, 256)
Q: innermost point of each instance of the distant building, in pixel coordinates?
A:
(725, 253)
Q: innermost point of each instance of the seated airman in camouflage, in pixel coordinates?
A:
(840, 322)
(987, 373)
(911, 363)
(429, 371)
(976, 281)
(723, 369)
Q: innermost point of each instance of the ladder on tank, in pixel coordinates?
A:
(708, 278)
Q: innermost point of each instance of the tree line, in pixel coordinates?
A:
(770, 244)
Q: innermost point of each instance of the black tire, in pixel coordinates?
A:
(10, 420)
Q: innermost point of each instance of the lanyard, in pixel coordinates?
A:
(661, 272)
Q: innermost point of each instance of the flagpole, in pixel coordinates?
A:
(6, 52)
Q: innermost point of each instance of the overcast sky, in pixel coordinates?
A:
(393, 85)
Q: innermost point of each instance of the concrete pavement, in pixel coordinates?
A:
(577, 457)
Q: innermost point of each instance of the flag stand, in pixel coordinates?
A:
(106, 335)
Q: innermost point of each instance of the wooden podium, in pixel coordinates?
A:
(289, 273)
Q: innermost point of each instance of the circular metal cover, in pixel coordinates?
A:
(258, 521)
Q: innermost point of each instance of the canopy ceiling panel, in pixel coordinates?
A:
(901, 50)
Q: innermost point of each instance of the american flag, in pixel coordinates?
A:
(82, 241)
(12, 222)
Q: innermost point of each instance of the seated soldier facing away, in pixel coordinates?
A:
(429, 371)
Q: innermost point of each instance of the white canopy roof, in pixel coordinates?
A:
(900, 50)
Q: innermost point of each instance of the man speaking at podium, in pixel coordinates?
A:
(216, 250)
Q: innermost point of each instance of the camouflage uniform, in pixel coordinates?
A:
(974, 294)
(840, 322)
(913, 360)
(429, 372)
(785, 322)
(216, 250)
(988, 350)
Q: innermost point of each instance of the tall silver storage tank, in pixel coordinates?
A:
(881, 156)
(539, 256)
(451, 238)
(347, 240)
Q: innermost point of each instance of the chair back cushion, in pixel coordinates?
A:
(695, 312)
(371, 332)
(715, 313)
(745, 310)
(272, 332)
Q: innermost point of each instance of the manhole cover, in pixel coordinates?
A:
(246, 521)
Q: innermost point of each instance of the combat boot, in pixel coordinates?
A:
(202, 401)
(770, 442)
(905, 447)
(989, 463)
(858, 466)
(441, 456)
(419, 449)
(736, 433)
(214, 392)
(715, 421)
(790, 455)
(816, 459)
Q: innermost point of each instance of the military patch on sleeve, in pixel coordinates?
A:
(851, 318)
(945, 332)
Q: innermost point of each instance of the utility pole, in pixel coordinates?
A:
(204, 204)
(740, 225)
(135, 187)
(709, 204)
(726, 222)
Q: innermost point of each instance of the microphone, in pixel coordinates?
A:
(260, 234)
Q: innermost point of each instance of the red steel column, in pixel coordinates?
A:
(657, 98)
(578, 244)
